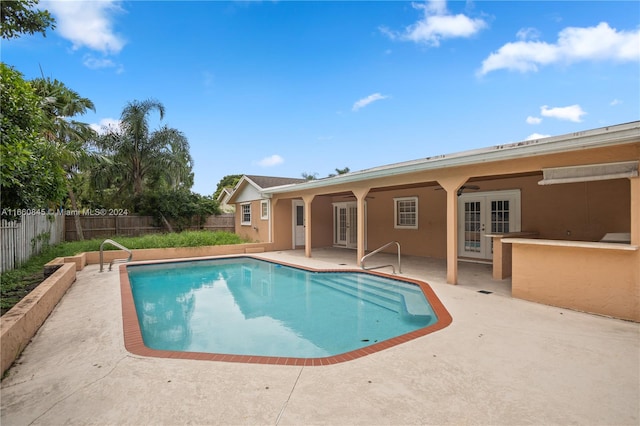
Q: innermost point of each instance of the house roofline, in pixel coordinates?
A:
(244, 179)
(595, 138)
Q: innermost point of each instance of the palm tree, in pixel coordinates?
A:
(144, 160)
(69, 137)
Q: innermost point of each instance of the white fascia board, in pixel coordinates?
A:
(242, 182)
(596, 138)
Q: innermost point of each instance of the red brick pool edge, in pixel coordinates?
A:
(134, 343)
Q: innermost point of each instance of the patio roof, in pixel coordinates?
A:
(596, 138)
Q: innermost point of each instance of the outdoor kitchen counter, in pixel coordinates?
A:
(502, 252)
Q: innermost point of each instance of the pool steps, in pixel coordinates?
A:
(406, 299)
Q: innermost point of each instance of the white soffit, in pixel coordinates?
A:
(589, 172)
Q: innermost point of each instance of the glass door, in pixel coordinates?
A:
(472, 238)
(345, 224)
(482, 214)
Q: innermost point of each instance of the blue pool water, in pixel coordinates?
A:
(245, 306)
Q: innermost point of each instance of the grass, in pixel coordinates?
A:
(17, 283)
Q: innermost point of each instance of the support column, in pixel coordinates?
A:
(451, 185)
(361, 196)
(635, 232)
(308, 199)
(272, 209)
(635, 210)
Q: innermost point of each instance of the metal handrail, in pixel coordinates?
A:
(118, 245)
(383, 266)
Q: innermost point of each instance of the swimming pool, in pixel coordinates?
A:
(251, 310)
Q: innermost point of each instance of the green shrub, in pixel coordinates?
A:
(17, 283)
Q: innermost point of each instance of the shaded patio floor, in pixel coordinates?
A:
(503, 361)
(471, 275)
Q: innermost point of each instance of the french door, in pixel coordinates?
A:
(484, 213)
(345, 224)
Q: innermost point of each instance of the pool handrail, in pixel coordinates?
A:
(362, 263)
(118, 245)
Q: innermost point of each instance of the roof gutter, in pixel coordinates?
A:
(597, 138)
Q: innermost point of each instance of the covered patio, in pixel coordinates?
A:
(538, 211)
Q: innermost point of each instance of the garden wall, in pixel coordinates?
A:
(20, 323)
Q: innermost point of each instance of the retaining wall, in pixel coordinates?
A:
(21, 322)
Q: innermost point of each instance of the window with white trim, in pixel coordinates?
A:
(405, 213)
(245, 218)
(264, 209)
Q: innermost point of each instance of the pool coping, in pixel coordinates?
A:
(134, 342)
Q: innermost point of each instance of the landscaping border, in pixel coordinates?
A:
(21, 323)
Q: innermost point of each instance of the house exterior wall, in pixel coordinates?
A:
(282, 222)
(321, 213)
(258, 230)
(568, 214)
(322, 221)
(579, 211)
(429, 240)
(585, 278)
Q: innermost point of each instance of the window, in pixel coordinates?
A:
(264, 209)
(406, 213)
(246, 214)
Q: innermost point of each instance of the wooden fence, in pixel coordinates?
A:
(133, 226)
(21, 239)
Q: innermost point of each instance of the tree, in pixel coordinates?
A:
(143, 160)
(19, 17)
(309, 176)
(177, 206)
(59, 104)
(340, 172)
(30, 175)
(229, 181)
(314, 176)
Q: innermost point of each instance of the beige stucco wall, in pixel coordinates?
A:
(601, 279)
(22, 321)
(428, 240)
(19, 325)
(282, 222)
(93, 257)
(258, 230)
(579, 211)
(322, 219)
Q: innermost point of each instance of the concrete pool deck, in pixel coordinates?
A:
(502, 361)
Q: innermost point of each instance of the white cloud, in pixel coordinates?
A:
(271, 161)
(87, 23)
(528, 34)
(535, 136)
(96, 63)
(615, 102)
(534, 120)
(599, 43)
(437, 24)
(105, 124)
(569, 113)
(366, 101)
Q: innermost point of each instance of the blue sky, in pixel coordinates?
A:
(291, 87)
